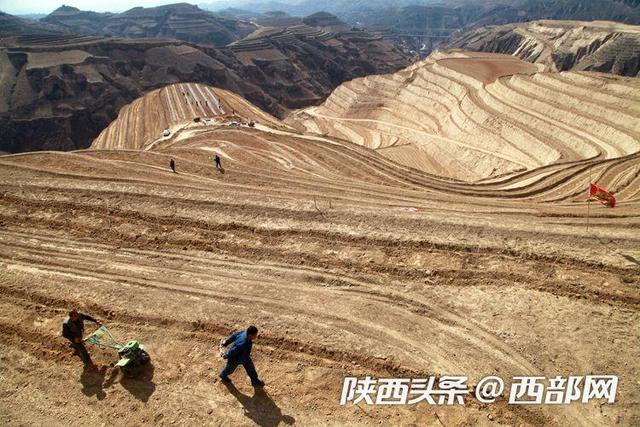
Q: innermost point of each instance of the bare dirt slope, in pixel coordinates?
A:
(471, 116)
(307, 238)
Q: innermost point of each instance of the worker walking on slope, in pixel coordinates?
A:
(73, 330)
(240, 354)
(172, 164)
(218, 162)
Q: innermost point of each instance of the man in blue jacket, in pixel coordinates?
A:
(240, 354)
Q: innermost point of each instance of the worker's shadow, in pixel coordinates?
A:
(92, 380)
(260, 408)
(142, 386)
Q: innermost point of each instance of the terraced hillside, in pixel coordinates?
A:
(267, 44)
(167, 113)
(475, 116)
(562, 45)
(349, 263)
(270, 46)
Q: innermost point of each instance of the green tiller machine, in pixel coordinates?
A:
(133, 357)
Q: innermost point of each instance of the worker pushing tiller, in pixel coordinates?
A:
(73, 330)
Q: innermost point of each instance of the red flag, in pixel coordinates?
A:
(602, 195)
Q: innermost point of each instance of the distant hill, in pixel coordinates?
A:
(325, 20)
(301, 8)
(367, 12)
(562, 45)
(32, 16)
(58, 91)
(181, 21)
(578, 10)
(11, 26)
(274, 18)
(235, 13)
(418, 26)
(78, 21)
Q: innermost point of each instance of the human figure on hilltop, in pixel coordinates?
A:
(218, 162)
(172, 165)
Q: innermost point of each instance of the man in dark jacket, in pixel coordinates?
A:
(240, 354)
(73, 330)
(218, 162)
(172, 165)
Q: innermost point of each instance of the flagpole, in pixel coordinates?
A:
(588, 209)
(589, 199)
